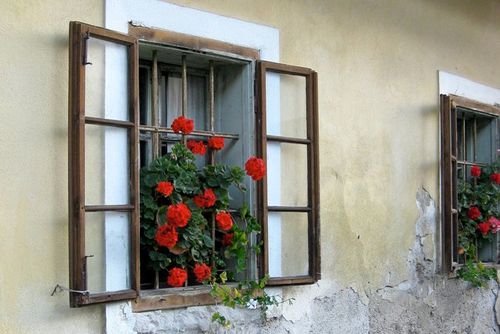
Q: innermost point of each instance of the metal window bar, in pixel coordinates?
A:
(160, 134)
(211, 110)
(467, 162)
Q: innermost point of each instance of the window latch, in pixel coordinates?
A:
(60, 288)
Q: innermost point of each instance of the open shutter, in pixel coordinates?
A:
(288, 203)
(448, 182)
(103, 170)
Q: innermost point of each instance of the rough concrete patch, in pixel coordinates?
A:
(343, 312)
(433, 303)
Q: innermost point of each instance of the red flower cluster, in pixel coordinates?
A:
(205, 200)
(495, 177)
(183, 124)
(255, 168)
(494, 224)
(176, 277)
(178, 214)
(165, 188)
(224, 220)
(202, 272)
(216, 143)
(197, 147)
(473, 213)
(166, 236)
(483, 227)
(227, 239)
(475, 171)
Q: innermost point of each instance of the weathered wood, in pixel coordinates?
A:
(108, 122)
(290, 140)
(76, 154)
(165, 299)
(192, 42)
(79, 33)
(459, 101)
(311, 142)
(195, 133)
(446, 184)
(289, 209)
(103, 208)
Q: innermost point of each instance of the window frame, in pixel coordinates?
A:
(164, 298)
(311, 141)
(79, 34)
(449, 161)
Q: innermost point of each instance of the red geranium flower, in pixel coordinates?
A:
(495, 177)
(255, 168)
(216, 143)
(182, 124)
(165, 188)
(227, 239)
(202, 272)
(483, 227)
(178, 214)
(176, 277)
(473, 213)
(475, 171)
(205, 200)
(197, 147)
(166, 236)
(494, 224)
(224, 220)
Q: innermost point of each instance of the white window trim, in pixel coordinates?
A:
(162, 15)
(456, 85)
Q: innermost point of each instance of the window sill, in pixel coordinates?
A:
(172, 298)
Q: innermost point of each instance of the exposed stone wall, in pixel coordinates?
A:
(424, 303)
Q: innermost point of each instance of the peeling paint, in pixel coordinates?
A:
(425, 302)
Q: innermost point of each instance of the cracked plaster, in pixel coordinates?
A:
(424, 302)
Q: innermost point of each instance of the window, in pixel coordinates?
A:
(123, 96)
(469, 136)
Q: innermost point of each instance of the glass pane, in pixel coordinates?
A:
(145, 95)
(485, 142)
(197, 106)
(145, 149)
(288, 244)
(107, 174)
(107, 247)
(286, 105)
(171, 99)
(107, 80)
(487, 250)
(287, 174)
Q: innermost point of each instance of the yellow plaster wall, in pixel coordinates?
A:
(33, 167)
(378, 100)
(377, 63)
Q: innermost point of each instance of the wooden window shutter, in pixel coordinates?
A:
(288, 204)
(103, 170)
(448, 181)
